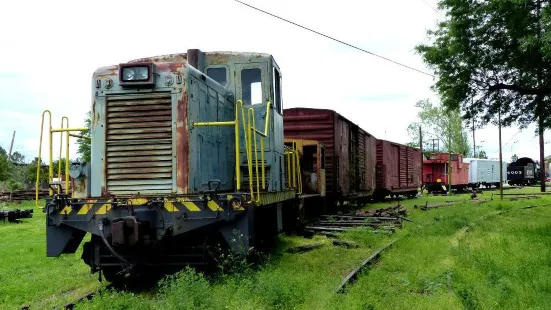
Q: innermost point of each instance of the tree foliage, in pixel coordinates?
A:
(493, 54)
(438, 123)
(17, 158)
(5, 168)
(482, 155)
(30, 175)
(84, 146)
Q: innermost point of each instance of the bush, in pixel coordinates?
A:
(13, 185)
(187, 289)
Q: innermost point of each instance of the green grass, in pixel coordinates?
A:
(27, 276)
(467, 256)
(494, 255)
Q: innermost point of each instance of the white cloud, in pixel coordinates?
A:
(48, 60)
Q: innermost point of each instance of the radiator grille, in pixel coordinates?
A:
(138, 140)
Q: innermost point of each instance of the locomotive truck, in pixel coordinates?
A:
(185, 149)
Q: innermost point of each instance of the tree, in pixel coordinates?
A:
(426, 150)
(514, 158)
(493, 57)
(440, 124)
(56, 166)
(482, 155)
(84, 146)
(30, 176)
(5, 168)
(17, 158)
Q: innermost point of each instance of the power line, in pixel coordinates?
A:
(512, 138)
(337, 40)
(430, 6)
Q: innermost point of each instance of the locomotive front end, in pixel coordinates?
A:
(155, 182)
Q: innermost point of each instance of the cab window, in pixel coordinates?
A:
(218, 74)
(251, 86)
(277, 90)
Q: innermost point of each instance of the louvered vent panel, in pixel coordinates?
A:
(139, 143)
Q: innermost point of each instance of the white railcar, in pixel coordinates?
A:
(485, 172)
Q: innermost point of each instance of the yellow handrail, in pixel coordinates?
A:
(64, 118)
(251, 136)
(67, 130)
(67, 136)
(293, 175)
(252, 129)
(79, 136)
(299, 174)
(249, 128)
(289, 168)
(39, 161)
(234, 123)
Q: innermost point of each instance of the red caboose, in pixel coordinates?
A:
(435, 172)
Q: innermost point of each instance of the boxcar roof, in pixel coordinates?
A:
(330, 111)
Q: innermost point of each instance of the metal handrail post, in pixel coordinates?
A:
(64, 118)
(39, 159)
(67, 161)
(253, 130)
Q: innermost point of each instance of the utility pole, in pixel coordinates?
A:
(11, 145)
(474, 142)
(500, 157)
(539, 104)
(449, 160)
(422, 155)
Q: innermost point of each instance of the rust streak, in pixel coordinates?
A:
(173, 67)
(107, 72)
(182, 143)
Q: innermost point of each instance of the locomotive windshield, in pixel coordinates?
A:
(218, 74)
(251, 86)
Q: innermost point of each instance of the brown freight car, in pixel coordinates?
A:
(398, 170)
(350, 151)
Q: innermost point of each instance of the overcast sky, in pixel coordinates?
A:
(49, 53)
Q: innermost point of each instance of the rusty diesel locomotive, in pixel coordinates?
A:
(185, 149)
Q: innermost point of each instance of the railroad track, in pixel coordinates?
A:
(88, 296)
(384, 220)
(71, 305)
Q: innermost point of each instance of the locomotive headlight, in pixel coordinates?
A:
(135, 73)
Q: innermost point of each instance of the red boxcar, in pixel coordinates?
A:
(435, 172)
(398, 169)
(350, 150)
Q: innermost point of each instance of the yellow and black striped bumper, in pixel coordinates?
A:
(187, 204)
